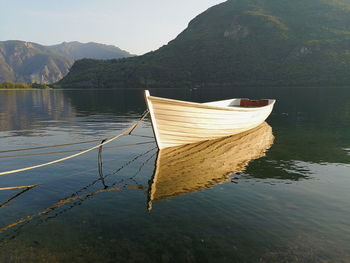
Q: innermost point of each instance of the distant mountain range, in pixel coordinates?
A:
(76, 50)
(239, 42)
(30, 62)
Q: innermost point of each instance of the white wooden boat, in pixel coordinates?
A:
(194, 167)
(178, 122)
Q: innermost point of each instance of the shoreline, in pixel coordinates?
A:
(24, 89)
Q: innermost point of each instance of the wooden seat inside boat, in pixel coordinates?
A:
(246, 103)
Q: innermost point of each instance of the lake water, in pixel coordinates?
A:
(291, 205)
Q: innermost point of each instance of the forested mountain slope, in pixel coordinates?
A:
(240, 42)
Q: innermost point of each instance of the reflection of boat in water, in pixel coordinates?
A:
(177, 122)
(193, 167)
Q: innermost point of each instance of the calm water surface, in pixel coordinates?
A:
(291, 205)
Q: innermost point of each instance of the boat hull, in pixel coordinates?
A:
(179, 122)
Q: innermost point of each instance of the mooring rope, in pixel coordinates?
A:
(70, 151)
(80, 198)
(60, 145)
(48, 146)
(126, 132)
(18, 187)
(25, 187)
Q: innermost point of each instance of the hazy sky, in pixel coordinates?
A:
(137, 26)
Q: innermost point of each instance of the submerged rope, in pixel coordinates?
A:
(100, 165)
(80, 198)
(126, 132)
(25, 187)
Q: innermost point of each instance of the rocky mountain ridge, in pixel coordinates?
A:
(29, 62)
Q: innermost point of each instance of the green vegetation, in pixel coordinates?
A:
(12, 85)
(239, 42)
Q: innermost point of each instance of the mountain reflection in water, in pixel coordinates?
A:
(24, 110)
(194, 167)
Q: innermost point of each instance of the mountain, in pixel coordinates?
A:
(239, 42)
(76, 50)
(30, 62)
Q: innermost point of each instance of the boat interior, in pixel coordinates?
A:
(247, 103)
(242, 103)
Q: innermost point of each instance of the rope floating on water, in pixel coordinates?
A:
(70, 151)
(25, 187)
(60, 145)
(18, 187)
(126, 132)
(80, 198)
(49, 146)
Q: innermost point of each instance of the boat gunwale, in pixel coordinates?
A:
(207, 106)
